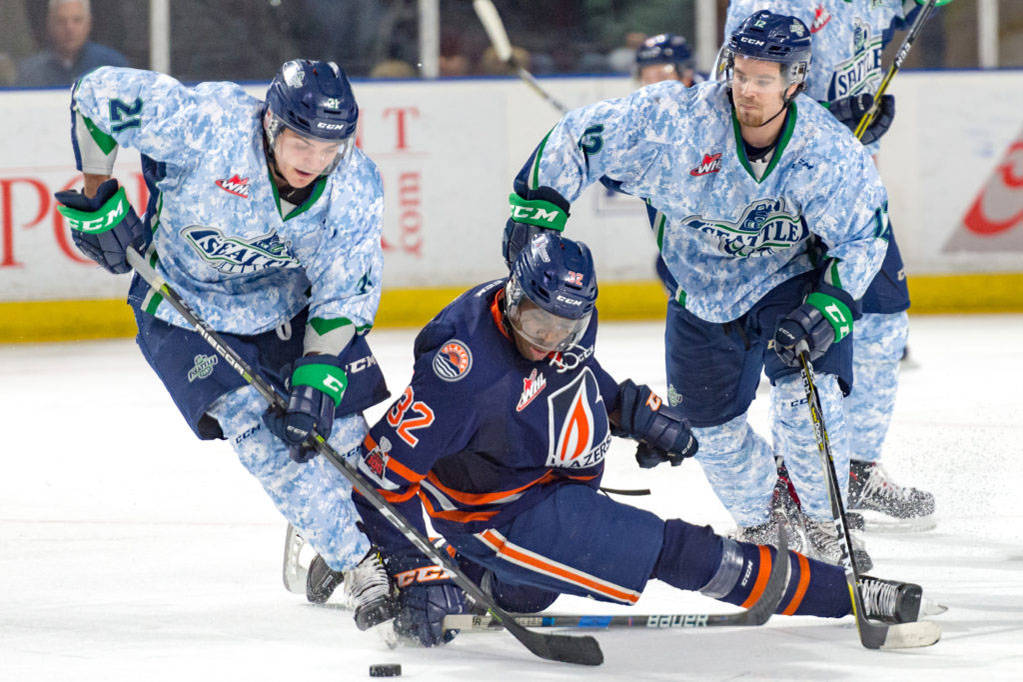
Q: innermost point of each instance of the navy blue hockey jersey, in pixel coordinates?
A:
(482, 433)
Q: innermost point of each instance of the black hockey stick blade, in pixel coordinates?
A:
(758, 614)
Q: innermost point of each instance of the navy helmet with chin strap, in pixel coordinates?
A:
(771, 37)
(556, 275)
(315, 100)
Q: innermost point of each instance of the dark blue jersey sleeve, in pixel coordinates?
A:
(433, 417)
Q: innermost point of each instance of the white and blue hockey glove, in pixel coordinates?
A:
(663, 433)
(825, 318)
(317, 384)
(104, 226)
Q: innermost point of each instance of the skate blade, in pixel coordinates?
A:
(912, 635)
(929, 607)
(296, 562)
(877, 522)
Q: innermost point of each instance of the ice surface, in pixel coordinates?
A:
(131, 551)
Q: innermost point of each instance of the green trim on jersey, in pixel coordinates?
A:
(318, 187)
(779, 147)
(534, 173)
(105, 142)
(324, 326)
(831, 274)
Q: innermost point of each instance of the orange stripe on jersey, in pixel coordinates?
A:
(762, 575)
(395, 498)
(533, 561)
(483, 498)
(495, 312)
(455, 515)
(804, 582)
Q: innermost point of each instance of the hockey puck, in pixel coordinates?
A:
(385, 670)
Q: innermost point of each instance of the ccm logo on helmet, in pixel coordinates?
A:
(569, 301)
(751, 41)
(330, 126)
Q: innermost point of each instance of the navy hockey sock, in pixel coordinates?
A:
(695, 558)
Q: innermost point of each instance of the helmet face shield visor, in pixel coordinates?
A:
(539, 328)
(305, 151)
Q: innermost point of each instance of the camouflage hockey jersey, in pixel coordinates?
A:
(221, 238)
(848, 39)
(726, 237)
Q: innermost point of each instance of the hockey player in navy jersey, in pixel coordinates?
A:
(848, 40)
(266, 220)
(770, 218)
(501, 438)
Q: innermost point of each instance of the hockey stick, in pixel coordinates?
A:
(900, 57)
(758, 614)
(582, 650)
(494, 27)
(873, 634)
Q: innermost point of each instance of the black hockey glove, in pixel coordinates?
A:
(662, 432)
(825, 318)
(105, 226)
(545, 209)
(849, 110)
(317, 384)
(426, 594)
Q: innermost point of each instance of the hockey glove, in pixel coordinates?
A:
(105, 226)
(662, 432)
(825, 318)
(849, 110)
(426, 594)
(317, 384)
(545, 210)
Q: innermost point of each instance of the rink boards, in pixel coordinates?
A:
(953, 165)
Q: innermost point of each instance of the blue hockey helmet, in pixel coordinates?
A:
(315, 100)
(771, 37)
(551, 292)
(666, 48)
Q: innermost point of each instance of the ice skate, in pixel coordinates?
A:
(895, 602)
(368, 589)
(887, 506)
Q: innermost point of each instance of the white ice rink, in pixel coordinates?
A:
(131, 551)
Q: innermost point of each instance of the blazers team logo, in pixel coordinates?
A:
(577, 439)
(453, 361)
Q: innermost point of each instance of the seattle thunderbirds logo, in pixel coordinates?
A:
(764, 228)
(238, 256)
(853, 75)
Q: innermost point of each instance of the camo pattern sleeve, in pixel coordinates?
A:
(345, 269)
(845, 205)
(145, 110)
(617, 138)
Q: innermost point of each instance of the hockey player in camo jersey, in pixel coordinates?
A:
(267, 221)
(848, 38)
(770, 217)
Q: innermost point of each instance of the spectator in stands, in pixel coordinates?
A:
(393, 68)
(491, 64)
(68, 23)
(16, 41)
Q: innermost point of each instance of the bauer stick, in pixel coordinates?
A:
(900, 57)
(757, 614)
(873, 634)
(494, 27)
(581, 650)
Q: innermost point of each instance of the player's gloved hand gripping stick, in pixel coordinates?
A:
(568, 649)
(873, 634)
